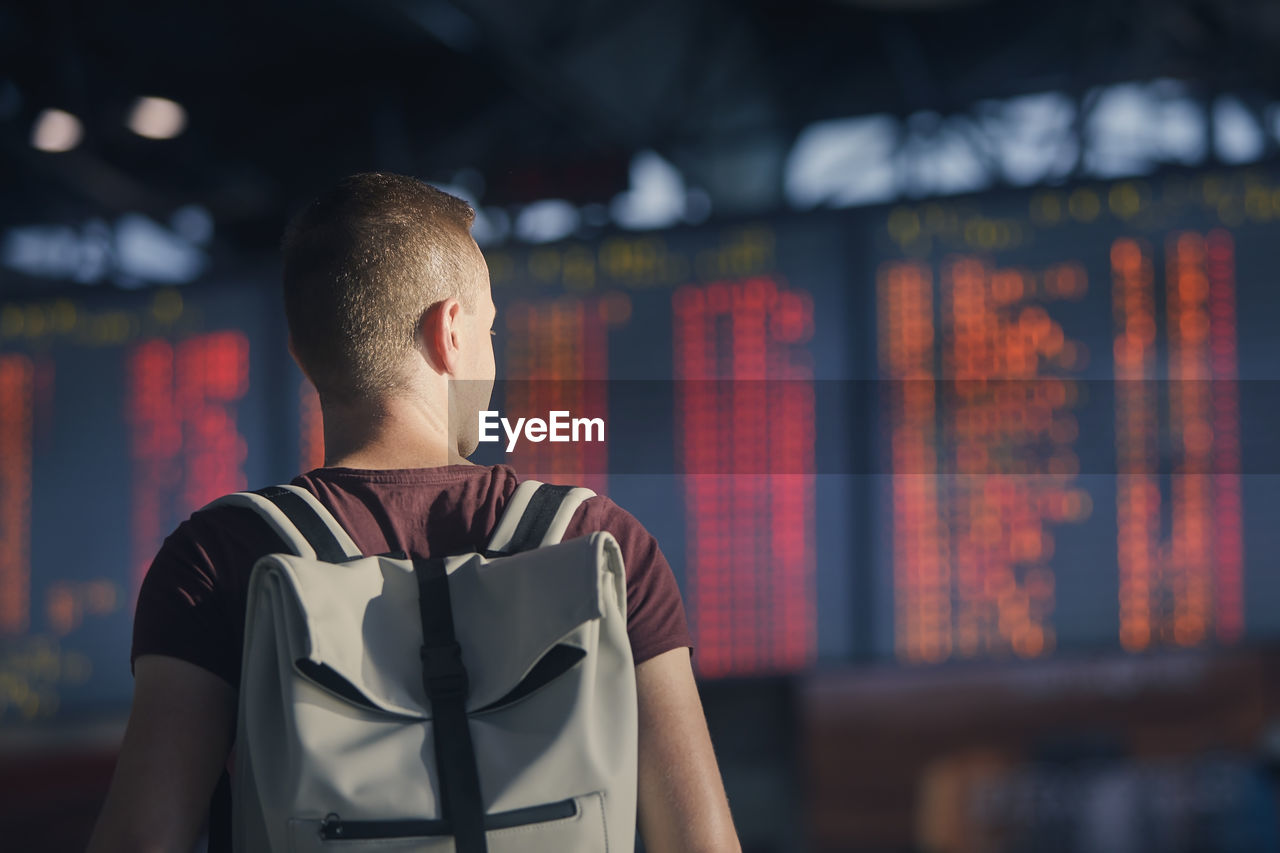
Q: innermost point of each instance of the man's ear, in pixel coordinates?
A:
(441, 335)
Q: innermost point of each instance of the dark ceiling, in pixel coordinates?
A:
(542, 97)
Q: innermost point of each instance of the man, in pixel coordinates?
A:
(390, 316)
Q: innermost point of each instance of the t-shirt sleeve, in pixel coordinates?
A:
(186, 603)
(656, 620)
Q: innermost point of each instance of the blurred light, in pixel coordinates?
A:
(1129, 129)
(133, 252)
(58, 251)
(491, 227)
(193, 223)
(843, 162)
(938, 159)
(546, 221)
(1237, 137)
(1183, 123)
(56, 130)
(1115, 131)
(657, 195)
(1032, 136)
(1135, 127)
(147, 252)
(157, 118)
(956, 166)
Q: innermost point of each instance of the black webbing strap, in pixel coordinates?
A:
(537, 518)
(445, 679)
(310, 525)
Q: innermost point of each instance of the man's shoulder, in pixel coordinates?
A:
(224, 522)
(601, 513)
(224, 528)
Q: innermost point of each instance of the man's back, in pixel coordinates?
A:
(192, 603)
(391, 318)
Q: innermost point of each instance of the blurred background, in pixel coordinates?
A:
(959, 315)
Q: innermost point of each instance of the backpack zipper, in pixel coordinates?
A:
(334, 828)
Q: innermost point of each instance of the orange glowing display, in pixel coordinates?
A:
(1175, 592)
(982, 439)
(1227, 553)
(922, 578)
(746, 406)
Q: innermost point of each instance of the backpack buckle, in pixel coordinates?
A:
(442, 671)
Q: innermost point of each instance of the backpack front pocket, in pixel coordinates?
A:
(575, 825)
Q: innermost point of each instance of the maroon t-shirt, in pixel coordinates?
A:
(192, 602)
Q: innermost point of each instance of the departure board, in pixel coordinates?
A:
(702, 350)
(120, 414)
(998, 427)
(1079, 413)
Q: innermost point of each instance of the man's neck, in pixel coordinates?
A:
(379, 459)
(389, 434)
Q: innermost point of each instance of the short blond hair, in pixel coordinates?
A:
(362, 263)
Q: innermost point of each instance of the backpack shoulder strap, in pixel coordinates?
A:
(537, 514)
(306, 527)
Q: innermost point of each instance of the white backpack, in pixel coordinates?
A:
(481, 702)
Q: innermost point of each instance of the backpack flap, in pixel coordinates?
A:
(511, 613)
(354, 628)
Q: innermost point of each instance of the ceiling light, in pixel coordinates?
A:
(157, 118)
(56, 130)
